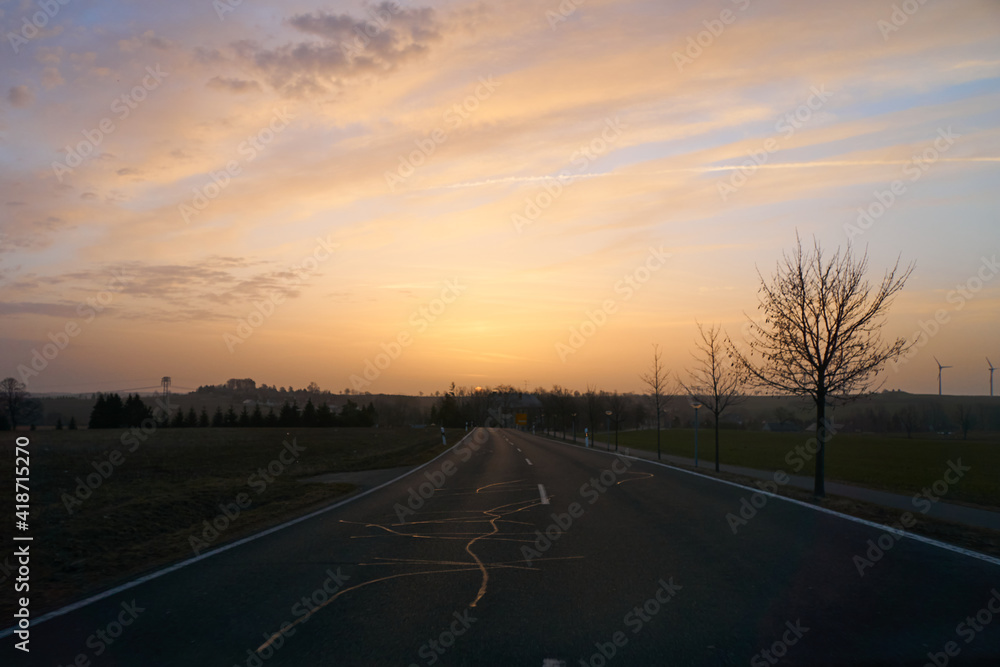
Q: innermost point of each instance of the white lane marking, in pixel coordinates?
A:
(541, 494)
(529, 462)
(871, 524)
(6, 632)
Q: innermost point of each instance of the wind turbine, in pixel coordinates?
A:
(992, 368)
(940, 368)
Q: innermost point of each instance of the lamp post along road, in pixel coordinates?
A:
(607, 424)
(696, 405)
(616, 433)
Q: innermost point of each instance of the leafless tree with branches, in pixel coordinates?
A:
(820, 336)
(656, 379)
(713, 382)
(13, 394)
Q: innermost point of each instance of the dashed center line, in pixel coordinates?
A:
(529, 462)
(542, 495)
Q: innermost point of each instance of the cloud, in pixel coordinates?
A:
(33, 308)
(348, 47)
(52, 78)
(233, 85)
(148, 38)
(215, 288)
(20, 96)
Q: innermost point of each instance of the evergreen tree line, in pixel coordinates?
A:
(111, 412)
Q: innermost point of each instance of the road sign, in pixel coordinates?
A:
(521, 419)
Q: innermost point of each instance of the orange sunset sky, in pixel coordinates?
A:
(284, 191)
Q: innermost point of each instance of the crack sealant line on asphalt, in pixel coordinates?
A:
(6, 632)
(871, 524)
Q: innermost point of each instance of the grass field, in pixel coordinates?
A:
(143, 510)
(888, 463)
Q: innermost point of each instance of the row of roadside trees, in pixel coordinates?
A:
(817, 337)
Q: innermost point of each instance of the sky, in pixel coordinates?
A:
(393, 197)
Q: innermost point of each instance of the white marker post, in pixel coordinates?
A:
(444, 440)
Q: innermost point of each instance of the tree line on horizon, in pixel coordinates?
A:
(110, 411)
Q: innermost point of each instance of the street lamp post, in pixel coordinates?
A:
(616, 433)
(607, 423)
(696, 405)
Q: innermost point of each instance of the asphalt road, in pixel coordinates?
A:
(640, 566)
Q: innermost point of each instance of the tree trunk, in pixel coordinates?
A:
(716, 443)
(820, 487)
(657, 432)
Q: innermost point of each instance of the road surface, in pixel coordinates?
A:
(512, 549)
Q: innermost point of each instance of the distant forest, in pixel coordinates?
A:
(244, 403)
(110, 411)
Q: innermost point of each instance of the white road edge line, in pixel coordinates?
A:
(541, 493)
(872, 524)
(6, 632)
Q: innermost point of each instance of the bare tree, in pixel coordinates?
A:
(593, 404)
(908, 418)
(13, 394)
(656, 379)
(966, 419)
(616, 403)
(820, 332)
(713, 382)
